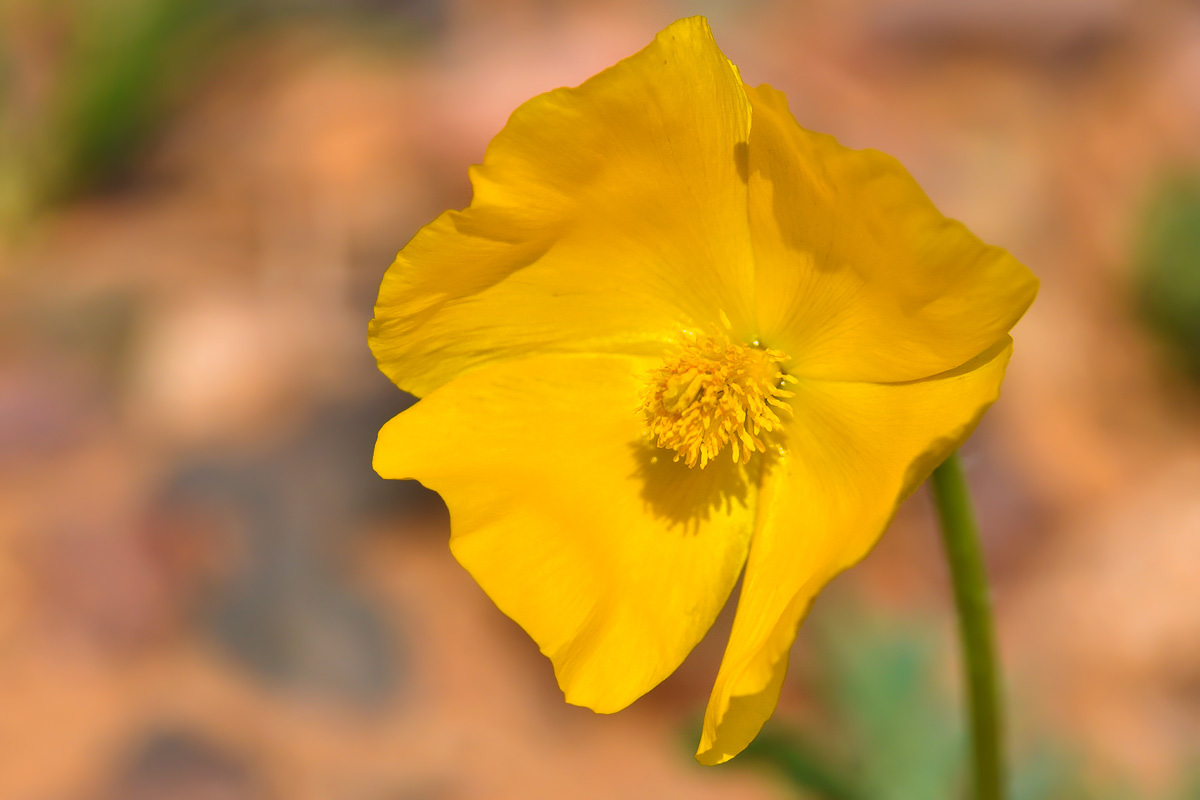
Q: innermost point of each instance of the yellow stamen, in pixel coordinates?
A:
(711, 393)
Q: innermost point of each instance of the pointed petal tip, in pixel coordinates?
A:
(711, 758)
(597, 704)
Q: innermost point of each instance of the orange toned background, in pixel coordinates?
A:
(206, 594)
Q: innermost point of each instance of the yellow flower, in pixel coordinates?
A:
(675, 336)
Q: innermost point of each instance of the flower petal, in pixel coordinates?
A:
(613, 557)
(859, 276)
(854, 451)
(606, 218)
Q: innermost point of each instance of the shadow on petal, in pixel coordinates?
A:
(688, 496)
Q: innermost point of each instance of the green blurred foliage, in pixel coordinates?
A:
(1168, 275)
(120, 68)
(1191, 790)
(116, 69)
(889, 734)
(881, 680)
(129, 63)
(888, 731)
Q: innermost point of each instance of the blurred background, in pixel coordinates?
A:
(207, 594)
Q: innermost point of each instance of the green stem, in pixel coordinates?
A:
(960, 534)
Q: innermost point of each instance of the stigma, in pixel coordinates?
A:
(711, 393)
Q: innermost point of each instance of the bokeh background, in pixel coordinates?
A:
(206, 593)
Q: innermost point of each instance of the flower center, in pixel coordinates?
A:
(711, 393)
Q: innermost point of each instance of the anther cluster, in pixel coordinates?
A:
(712, 392)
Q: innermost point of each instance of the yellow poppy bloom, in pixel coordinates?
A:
(676, 337)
